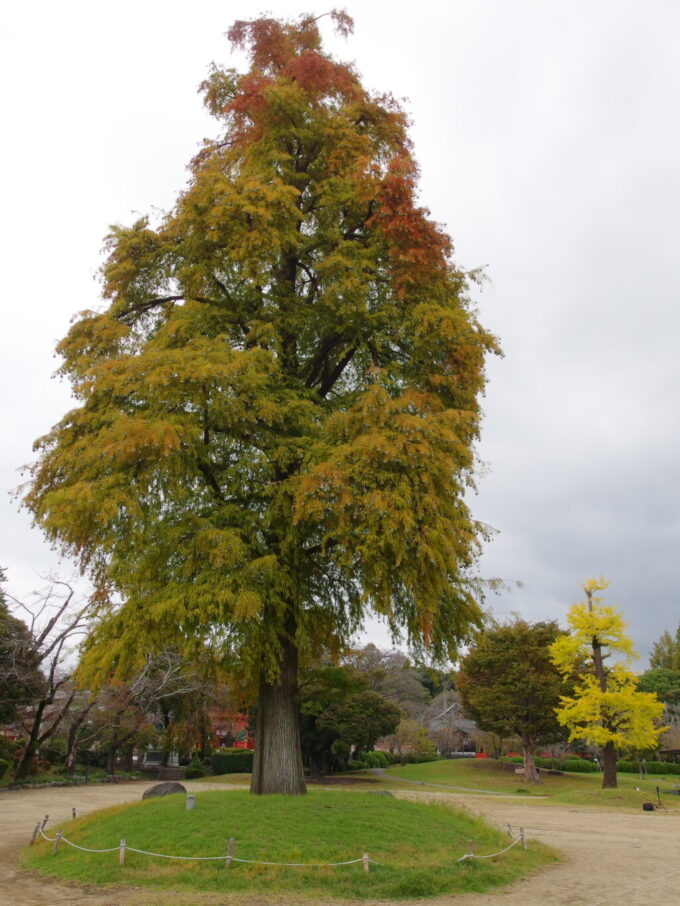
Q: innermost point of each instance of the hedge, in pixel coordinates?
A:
(232, 761)
(585, 766)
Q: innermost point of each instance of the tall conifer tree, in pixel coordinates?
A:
(277, 407)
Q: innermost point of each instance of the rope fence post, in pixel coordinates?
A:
(470, 848)
(35, 833)
(44, 822)
(365, 860)
(509, 830)
(55, 845)
(121, 852)
(230, 853)
(522, 838)
(73, 813)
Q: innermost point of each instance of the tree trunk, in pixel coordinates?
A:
(112, 753)
(609, 781)
(530, 770)
(26, 761)
(277, 759)
(73, 739)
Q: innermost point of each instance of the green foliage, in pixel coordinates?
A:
(195, 769)
(509, 685)
(666, 652)
(571, 765)
(663, 682)
(4, 764)
(414, 757)
(361, 719)
(376, 759)
(277, 407)
(232, 761)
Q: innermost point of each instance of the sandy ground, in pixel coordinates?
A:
(609, 857)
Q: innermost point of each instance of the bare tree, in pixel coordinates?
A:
(54, 621)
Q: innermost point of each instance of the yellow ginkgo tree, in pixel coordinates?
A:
(606, 709)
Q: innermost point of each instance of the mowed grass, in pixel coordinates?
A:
(568, 789)
(415, 844)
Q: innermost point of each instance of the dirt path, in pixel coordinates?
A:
(609, 856)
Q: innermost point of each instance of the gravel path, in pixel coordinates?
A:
(609, 857)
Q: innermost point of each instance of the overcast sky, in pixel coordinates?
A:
(548, 135)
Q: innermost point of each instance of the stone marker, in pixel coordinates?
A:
(167, 788)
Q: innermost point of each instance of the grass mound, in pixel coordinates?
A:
(415, 846)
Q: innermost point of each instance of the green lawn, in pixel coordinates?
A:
(416, 846)
(487, 775)
(569, 789)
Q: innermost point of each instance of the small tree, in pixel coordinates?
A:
(606, 709)
(509, 685)
(410, 736)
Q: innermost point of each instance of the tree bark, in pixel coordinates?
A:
(25, 762)
(530, 770)
(277, 759)
(609, 781)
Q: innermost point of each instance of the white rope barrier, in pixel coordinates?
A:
(59, 838)
(491, 855)
(75, 845)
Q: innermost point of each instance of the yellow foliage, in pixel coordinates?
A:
(606, 705)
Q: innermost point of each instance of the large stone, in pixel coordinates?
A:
(164, 789)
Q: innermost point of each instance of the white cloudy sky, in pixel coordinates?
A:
(548, 133)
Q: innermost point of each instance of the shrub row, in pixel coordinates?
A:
(585, 766)
(573, 765)
(376, 759)
(653, 767)
(232, 761)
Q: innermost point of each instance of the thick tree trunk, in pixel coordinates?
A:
(609, 781)
(530, 770)
(277, 759)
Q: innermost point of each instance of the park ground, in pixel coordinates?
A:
(609, 856)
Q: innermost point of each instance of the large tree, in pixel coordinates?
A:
(278, 404)
(606, 708)
(509, 685)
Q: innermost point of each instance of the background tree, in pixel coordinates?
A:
(411, 737)
(509, 685)
(322, 688)
(21, 681)
(278, 407)
(606, 709)
(664, 683)
(55, 623)
(361, 720)
(666, 651)
(391, 673)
